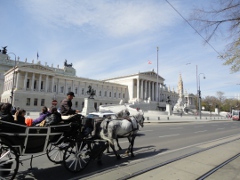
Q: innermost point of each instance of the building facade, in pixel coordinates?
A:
(35, 85)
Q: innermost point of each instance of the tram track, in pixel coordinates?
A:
(207, 174)
(165, 163)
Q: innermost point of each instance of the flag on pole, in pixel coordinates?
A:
(149, 62)
(37, 56)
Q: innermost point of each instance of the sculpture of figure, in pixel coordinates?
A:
(4, 50)
(168, 100)
(66, 64)
(91, 92)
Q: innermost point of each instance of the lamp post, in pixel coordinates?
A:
(157, 78)
(199, 93)
(13, 81)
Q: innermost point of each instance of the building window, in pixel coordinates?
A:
(42, 102)
(83, 91)
(100, 93)
(28, 80)
(123, 95)
(41, 84)
(69, 89)
(28, 102)
(119, 95)
(115, 94)
(76, 104)
(105, 94)
(76, 90)
(55, 88)
(35, 102)
(110, 94)
(62, 89)
(35, 84)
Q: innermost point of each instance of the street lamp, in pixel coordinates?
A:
(199, 93)
(11, 97)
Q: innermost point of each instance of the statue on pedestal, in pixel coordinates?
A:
(91, 92)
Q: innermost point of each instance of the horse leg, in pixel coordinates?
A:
(128, 149)
(119, 147)
(115, 152)
(132, 143)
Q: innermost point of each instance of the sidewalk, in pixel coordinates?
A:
(194, 166)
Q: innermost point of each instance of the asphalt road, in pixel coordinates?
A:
(153, 140)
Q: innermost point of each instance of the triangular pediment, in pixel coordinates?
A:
(151, 74)
(36, 67)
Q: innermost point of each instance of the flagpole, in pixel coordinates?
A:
(157, 78)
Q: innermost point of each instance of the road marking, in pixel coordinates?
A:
(200, 131)
(169, 135)
(197, 126)
(146, 131)
(176, 128)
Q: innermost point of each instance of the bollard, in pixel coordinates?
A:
(206, 117)
(167, 118)
(158, 118)
(147, 118)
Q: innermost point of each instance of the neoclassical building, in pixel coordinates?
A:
(35, 85)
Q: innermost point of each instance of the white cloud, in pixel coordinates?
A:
(115, 18)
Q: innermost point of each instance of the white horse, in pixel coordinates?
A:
(122, 128)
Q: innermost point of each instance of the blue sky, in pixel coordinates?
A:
(109, 38)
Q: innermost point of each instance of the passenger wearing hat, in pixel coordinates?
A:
(66, 105)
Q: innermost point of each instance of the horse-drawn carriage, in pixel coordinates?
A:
(67, 143)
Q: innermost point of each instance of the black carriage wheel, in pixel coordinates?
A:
(76, 156)
(55, 152)
(9, 161)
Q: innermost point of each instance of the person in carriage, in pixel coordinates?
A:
(19, 117)
(5, 112)
(42, 116)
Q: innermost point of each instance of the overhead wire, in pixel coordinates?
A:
(194, 28)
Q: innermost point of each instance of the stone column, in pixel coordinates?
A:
(17, 81)
(153, 95)
(52, 83)
(72, 87)
(46, 87)
(33, 79)
(145, 90)
(25, 81)
(39, 83)
(65, 87)
(141, 96)
(138, 88)
(156, 91)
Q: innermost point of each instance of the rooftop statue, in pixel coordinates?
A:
(66, 64)
(4, 50)
(91, 92)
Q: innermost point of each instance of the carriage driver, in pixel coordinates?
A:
(66, 108)
(66, 105)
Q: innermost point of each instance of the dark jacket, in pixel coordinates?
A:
(53, 119)
(6, 117)
(66, 107)
(20, 120)
(40, 118)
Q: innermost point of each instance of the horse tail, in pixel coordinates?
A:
(104, 137)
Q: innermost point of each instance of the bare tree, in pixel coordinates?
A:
(214, 19)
